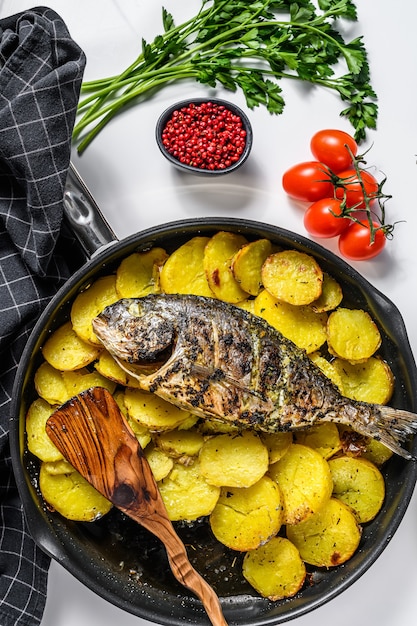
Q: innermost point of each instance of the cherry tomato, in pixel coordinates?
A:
(353, 188)
(308, 181)
(320, 219)
(355, 242)
(329, 147)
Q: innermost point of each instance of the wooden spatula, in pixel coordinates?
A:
(93, 435)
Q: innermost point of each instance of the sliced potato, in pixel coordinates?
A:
(323, 437)
(64, 349)
(184, 270)
(358, 483)
(180, 443)
(298, 323)
(109, 368)
(328, 369)
(160, 463)
(292, 276)
(62, 466)
(89, 303)
(186, 493)
(38, 441)
(329, 537)
(234, 460)
(247, 265)
(243, 519)
(377, 452)
(138, 274)
(352, 334)
(153, 412)
(218, 258)
(50, 385)
(331, 295)
(277, 444)
(305, 481)
(275, 569)
(371, 381)
(80, 380)
(72, 496)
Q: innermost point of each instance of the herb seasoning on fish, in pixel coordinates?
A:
(219, 361)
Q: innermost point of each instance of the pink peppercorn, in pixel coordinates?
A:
(205, 135)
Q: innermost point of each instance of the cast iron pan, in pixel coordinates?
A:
(125, 564)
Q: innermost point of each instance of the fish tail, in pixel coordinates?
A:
(391, 427)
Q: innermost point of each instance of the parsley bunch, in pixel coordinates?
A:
(247, 45)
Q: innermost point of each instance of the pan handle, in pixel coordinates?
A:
(84, 216)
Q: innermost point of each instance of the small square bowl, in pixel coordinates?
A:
(205, 136)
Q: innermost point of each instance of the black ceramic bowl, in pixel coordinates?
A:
(197, 127)
(122, 562)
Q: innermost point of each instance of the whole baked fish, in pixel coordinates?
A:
(219, 361)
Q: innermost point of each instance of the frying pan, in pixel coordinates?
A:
(123, 563)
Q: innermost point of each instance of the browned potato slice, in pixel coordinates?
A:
(327, 538)
(298, 323)
(305, 481)
(186, 493)
(160, 463)
(153, 412)
(37, 440)
(371, 381)
(293, 277)
(138, 274)
(180, 444)
(352, 334)
(243, 519)
(328, 369)
(184, 270)
(247, 265)
(358, 483)
(218, 257)
(275, 569)
(89, 303)
(277, 444)
(324, 438)
(331, 295)
(109, 368)
(234, 460)
(64, 349)
(72, 496)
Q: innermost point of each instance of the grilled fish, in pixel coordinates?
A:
(219, 361)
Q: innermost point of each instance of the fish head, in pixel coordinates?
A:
(136, 331)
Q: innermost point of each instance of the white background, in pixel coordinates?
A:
(137, 188)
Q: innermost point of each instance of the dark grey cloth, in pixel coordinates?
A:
(41, 69)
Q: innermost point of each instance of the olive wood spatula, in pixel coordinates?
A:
(93, 435)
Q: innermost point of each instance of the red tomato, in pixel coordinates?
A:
(355, 242)
(329, 147)
(353, 188)
(308, 181)
(320, 219)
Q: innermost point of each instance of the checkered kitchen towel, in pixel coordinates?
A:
(41, 69)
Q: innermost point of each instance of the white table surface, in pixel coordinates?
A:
(136, 188)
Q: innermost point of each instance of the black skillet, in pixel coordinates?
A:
(122, 562)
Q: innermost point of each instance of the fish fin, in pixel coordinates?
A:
(392, 427)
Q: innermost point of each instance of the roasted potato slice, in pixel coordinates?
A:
(153, 412)
(80, 380)
(352, 334)
(160, 463)
(370, 381)
(245, 518)
(109, 368)
(292, 276)
(138, 274)
(72, 496)
(275, 569)
(186, 493)
(298, 323)
(50, 385)
(327, 538)
(184, 270)
(247, 265)
(180, 444)
(328, 369)
(89, 303)
(234, 460)
(218, 258)
(37, 440)
(305, 481)
(358, 483)
(323, 437)
(277, 444)
(331, 295)
(65, 350)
